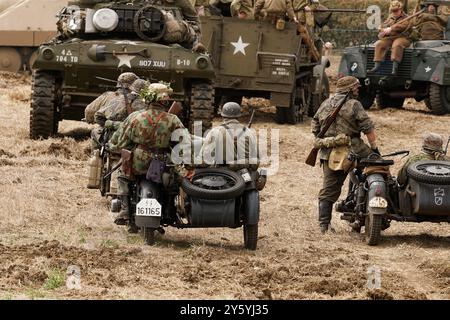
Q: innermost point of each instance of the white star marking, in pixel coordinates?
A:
(239, 46)
(427, 69)
(124, 60)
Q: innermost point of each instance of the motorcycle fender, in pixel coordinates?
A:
(377, 196)
(148, 189)
(251, 205)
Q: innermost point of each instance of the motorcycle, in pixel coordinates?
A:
(376, 198)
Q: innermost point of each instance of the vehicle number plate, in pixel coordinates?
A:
(148, 208)
(378, 202)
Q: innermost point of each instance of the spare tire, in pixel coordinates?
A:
(214, 184)
(430, 171)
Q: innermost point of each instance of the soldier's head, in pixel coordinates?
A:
(231, 110)
(138, 86)
(432, 7)
(432, 142)
(348, 83)
(396, 8)
(126, 79)
(159, 92)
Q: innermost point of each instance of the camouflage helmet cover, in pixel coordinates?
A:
(231, 110)
(432, 142)
(346, 83)
(138, 85)
(126, 79)
(161, 90)
(395, 5)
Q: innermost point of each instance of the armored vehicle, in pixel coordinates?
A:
(97, 40)
(22, 30)
(254, 59)
(424, 74)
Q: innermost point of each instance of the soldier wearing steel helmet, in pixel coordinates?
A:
(230, 144)
(344, 133)
(432, 149)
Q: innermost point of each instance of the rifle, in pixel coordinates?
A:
(381, 36)
(251, 119)
(117, 166)
(311, 159)
(175, 108)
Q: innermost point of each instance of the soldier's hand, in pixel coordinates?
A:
(307, 9)
(295, 20)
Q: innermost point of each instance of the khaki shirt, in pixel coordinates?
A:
(242, 6)
(352, 120)
(398, 30)
(274, 7)
(431, 26)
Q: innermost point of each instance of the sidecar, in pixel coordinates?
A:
(426, 196)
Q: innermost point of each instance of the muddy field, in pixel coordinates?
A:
(50, 222)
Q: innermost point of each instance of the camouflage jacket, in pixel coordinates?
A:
(402, 176)
(231, 144)
(278, 7)
(351, 121)
(97, 104)
(146, 132)
(398, 30)
(431, 26)
(117, 110)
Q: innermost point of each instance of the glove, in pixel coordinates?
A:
(376, 151)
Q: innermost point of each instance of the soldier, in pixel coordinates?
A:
(274, 10)
(431, 150)
(243, 9)
(392, 34)
(202, 7)
(305, 17)
(430, 25)
(231, 144)
(148, 134)
(344, 132)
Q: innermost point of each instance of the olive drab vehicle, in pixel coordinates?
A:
(423, 74)
(254, 59)
(97, 40)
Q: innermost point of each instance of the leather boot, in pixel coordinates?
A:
(375, 68)
(325, 209)
(123, 216)
(395, 67)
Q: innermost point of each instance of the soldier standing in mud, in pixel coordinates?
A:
(345, 132)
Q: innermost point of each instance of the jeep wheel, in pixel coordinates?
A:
(430, 171)
(373, 229)
(202, 105)
(439, 101)
(250, 236)
(43, 114)
(383, 101)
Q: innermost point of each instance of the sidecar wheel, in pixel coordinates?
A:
(250, 236)
(373, 229)
(149, 236)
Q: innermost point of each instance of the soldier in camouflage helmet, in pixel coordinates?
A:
(351, 121)
(432, 149)
(148, 134)
(230, 144)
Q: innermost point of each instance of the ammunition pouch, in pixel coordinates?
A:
(127, 162)
(339, 159)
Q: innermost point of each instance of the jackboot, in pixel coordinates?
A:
(325, 209)
(395, 65)
(375, 68)
(123, 216)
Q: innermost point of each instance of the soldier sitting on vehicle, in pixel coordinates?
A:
(432, 149)
(392, 34)
(242, 9)
(230, 144)
(274, 11)
(430, 25)
(303, 10)
(148, 135)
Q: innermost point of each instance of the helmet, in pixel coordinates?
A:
(161, 90)
(346, 83)
(231, 110)
(395, 5)
(432, 142)
(138, 85)
(126, 79)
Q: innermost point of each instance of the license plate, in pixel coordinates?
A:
(148, 208)
(378, 202)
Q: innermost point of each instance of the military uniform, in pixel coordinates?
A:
(98, 103)
(431, 26)
(272, 10)
(245, 6)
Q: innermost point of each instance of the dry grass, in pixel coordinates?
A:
(50, 221)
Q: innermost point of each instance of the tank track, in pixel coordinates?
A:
(42, 114)
(202, 105)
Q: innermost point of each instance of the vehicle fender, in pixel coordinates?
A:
(251, 205)
(318, 74)
(376, 185)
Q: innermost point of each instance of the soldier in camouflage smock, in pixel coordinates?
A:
(431, 150)
(148, 133)
(351, 121)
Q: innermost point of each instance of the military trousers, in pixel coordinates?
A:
(398, 47)
(332, 183)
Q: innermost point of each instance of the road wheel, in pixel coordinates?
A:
(430, 172)
(366, 98)
(439, 101)
(316, 100)
(293, 113)
(280, 115)
(149, 236)
(43, 115)
(373, 229)
(250, 236)
(202, 105)
(10, 60)
(383, 101)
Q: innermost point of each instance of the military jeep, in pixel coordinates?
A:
(97, 40)
(424, 74)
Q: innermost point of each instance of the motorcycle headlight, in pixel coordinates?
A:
(105, 20)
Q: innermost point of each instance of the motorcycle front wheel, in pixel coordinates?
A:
(149, 236)
(373, 229)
